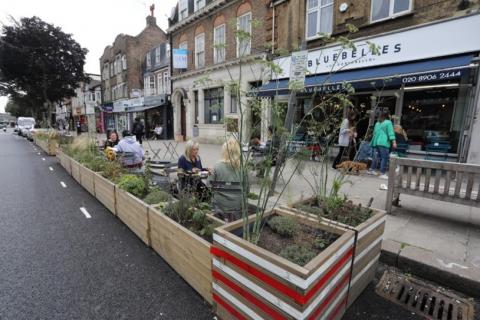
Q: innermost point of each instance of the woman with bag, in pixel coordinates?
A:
(383, 139)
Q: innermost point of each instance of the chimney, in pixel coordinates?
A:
(151, 21)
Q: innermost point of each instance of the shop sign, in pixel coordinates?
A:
(155, 100)
(395, 47)
(298, 67)
(121, 106)
(180, 58)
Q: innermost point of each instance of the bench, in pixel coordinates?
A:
(445, 181)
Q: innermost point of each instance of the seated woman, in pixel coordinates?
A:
(112, 140)
(189, 165)
(225, 181)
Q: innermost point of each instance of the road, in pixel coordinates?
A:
(55, 263)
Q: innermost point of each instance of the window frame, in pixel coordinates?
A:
(124, 62)
(182, 6)
(250, 31)
(318, 8)
(391, 14)
(217, 50)
(166, 82)
(159, 83)
(218, 99)
(196, 6)
(197, 52)
(149, 60)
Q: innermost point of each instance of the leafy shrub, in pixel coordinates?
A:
(252, 196)
(320, 243)
(180, 210)
(156, 196)
(112, 170)
(133, 184)
(300, 255)
(283, 225)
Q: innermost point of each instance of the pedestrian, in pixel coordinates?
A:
(383, 139)
(346, 139)
(138, 129)
(79, 127)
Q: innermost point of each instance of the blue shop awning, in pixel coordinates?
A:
(428, 71)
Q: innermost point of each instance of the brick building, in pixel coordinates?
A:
(217, 61)
(121, 68)
(425, 73)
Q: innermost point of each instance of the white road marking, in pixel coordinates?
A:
(43, 159)
(39, 153)
(63, 184)
(50, 168)
(85, 213)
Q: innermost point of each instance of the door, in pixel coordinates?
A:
(183, 120)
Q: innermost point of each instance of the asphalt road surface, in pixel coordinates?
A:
(55, 263)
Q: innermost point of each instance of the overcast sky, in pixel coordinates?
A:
(93, 23)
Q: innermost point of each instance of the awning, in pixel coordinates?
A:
(435, 70)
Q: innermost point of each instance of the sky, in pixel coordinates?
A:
(93, 23)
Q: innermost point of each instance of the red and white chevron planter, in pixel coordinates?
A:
(368, 244)
(251, 283)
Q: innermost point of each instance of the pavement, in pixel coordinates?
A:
(55, 263)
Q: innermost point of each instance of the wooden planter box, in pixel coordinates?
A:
(368, 245)
(49, 146)
(253, 283)
(75, 170)
(105, 192)
(187, 253)
(64, 161)
(87, 179)
(134, 213)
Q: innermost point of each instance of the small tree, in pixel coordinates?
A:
(39, 62)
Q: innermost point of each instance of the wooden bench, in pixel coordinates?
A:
(444, 181)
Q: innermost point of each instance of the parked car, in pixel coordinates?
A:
(24, 125)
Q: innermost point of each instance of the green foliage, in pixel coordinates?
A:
(112, 170)
(132, 184)
(252, 196)
(320, 243)
(298, 254)
(156, 196)
(283, 225)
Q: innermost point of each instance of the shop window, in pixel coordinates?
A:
(385, 9)
(432, 117)
(319, 17)
(182, 9)
(213, 104)
(219, 44)
(200, 51)
(244, 41)
(233, 101)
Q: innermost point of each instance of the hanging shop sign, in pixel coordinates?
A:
(395, 47)
(180, 58)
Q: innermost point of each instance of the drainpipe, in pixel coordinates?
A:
(273, 28)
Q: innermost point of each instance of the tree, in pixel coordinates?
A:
(39, 63)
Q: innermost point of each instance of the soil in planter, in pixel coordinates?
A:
(339, 209)
(304, 244)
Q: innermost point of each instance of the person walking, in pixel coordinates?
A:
(383, 139)
(138, 130)
(346, 139)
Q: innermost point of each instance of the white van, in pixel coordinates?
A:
(24, 125)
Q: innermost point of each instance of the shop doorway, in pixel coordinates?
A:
(183, 120)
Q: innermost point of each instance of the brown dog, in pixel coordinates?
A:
(352, 166)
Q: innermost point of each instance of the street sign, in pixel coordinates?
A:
(298, 66)
(180, 58)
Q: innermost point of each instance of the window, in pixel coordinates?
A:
(219, 44)
(157, 55)
(114, 92)
(195, 94)
(118, 64)
(112, 69)
(233, 101)
(106, 69)
(244, 23)
(149, 60)
(198, 4)
(124, 62)
(384, 9)
(166, 82)
(159, 84)
(151, 86)
(200, 51)
(213, 103)
(319, 17)
(92, 96)
(182, 9)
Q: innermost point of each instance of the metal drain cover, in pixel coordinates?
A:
(424, 299)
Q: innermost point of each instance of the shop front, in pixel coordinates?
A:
(158, 114)
(427, 86)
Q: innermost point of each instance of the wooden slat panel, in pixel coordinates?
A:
(409, 177)
(458, 183)
(400, 176)
(440, 197)
(448, 177)
(468, 192)
(418, 175)
(438, 175)
(428, 173)
(443, 165)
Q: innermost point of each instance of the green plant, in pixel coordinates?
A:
(133, 184)
(156, 196)
(113, 170)
(252, 196)
(180, 210)
(300, 255)
(283, 225)
(320, 243)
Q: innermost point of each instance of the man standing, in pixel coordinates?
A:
(138, 129)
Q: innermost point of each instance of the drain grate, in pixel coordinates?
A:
(424, 299)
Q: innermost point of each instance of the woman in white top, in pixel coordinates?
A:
(345, 138)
